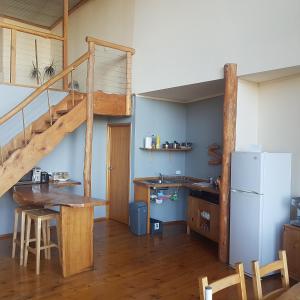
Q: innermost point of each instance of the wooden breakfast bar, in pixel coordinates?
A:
(76, 222)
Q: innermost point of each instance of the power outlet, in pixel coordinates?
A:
(178, 172)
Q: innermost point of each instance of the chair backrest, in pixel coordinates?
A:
(237, 279)
(259, 272)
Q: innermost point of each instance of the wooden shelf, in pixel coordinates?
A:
(167, 150)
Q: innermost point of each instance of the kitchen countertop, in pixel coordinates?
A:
(182, 181)
(50, 195)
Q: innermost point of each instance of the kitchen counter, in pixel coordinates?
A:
(143, 187)
(179, 181)
(76, 222)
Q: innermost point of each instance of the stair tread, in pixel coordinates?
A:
(62, 111)
(53, 121)
(10, 152)
(38, 131)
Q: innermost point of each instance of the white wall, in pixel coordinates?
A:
(268, 115)
(247, 115)
(278, 114)
(183, 42)
(110, 20)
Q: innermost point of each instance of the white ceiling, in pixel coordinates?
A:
(189, 93)
(272, 74)
(38, 12)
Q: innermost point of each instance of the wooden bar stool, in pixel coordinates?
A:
(41, 218)
(20, 211)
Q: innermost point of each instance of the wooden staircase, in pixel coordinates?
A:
(41, 137)
(36, 140)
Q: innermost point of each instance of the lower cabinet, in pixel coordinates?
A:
(203, 217)
(291, 244)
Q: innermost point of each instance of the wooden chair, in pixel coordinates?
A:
(42, 218)
(259, 272)
(20, 211)
(221, 284)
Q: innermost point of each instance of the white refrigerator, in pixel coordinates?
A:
(259, 206)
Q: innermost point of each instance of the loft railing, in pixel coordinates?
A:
(107, 77)
(68, 72)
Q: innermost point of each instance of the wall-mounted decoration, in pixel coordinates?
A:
(215, 152)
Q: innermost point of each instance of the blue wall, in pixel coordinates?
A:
(200, 123)
(204, 127)
(168, 119)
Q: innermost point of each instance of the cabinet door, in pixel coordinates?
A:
(203, 217)
(192, 212)
(291, 243)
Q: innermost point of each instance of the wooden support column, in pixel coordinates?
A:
(128, 82)
(87, 173)
(65, 41)
(13, 56)
(229, 133)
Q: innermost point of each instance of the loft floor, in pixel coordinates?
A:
(126, 267)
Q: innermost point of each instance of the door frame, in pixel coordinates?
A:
(108, 146)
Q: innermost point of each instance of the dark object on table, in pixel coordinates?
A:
(166, 145)
(156, 226)
(138, 217)
(44, 177)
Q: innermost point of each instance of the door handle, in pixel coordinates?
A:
(109, 168)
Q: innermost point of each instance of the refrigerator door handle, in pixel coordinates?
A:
(248, 192)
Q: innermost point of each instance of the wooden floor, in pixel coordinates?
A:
(126, 267)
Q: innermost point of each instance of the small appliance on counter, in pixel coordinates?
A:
(60, 176)
(44, 177)
(36, 174)
(295, 211)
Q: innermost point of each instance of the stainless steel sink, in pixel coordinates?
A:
(166, 181)
(157, 181)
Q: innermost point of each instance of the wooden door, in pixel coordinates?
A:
(118, 171)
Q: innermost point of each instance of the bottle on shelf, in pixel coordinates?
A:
(158, 142)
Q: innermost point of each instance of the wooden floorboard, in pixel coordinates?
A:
(126, 267)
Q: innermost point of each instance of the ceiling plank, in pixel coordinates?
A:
(25, 22)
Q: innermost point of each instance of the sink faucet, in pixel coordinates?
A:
(161, 177)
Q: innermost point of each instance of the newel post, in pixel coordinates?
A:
(65, 40)
(128, 82)
(229, 134)
(87, 173)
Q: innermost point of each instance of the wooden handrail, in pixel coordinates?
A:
(110, 45)
(32, 31)
(44, 87)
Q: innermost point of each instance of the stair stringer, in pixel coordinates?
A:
(23, 160)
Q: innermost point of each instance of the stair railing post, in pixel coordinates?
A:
(72, 87)
(87, 173)
(1, 156)
(13, 55)
(49, 108)
(24, 129)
